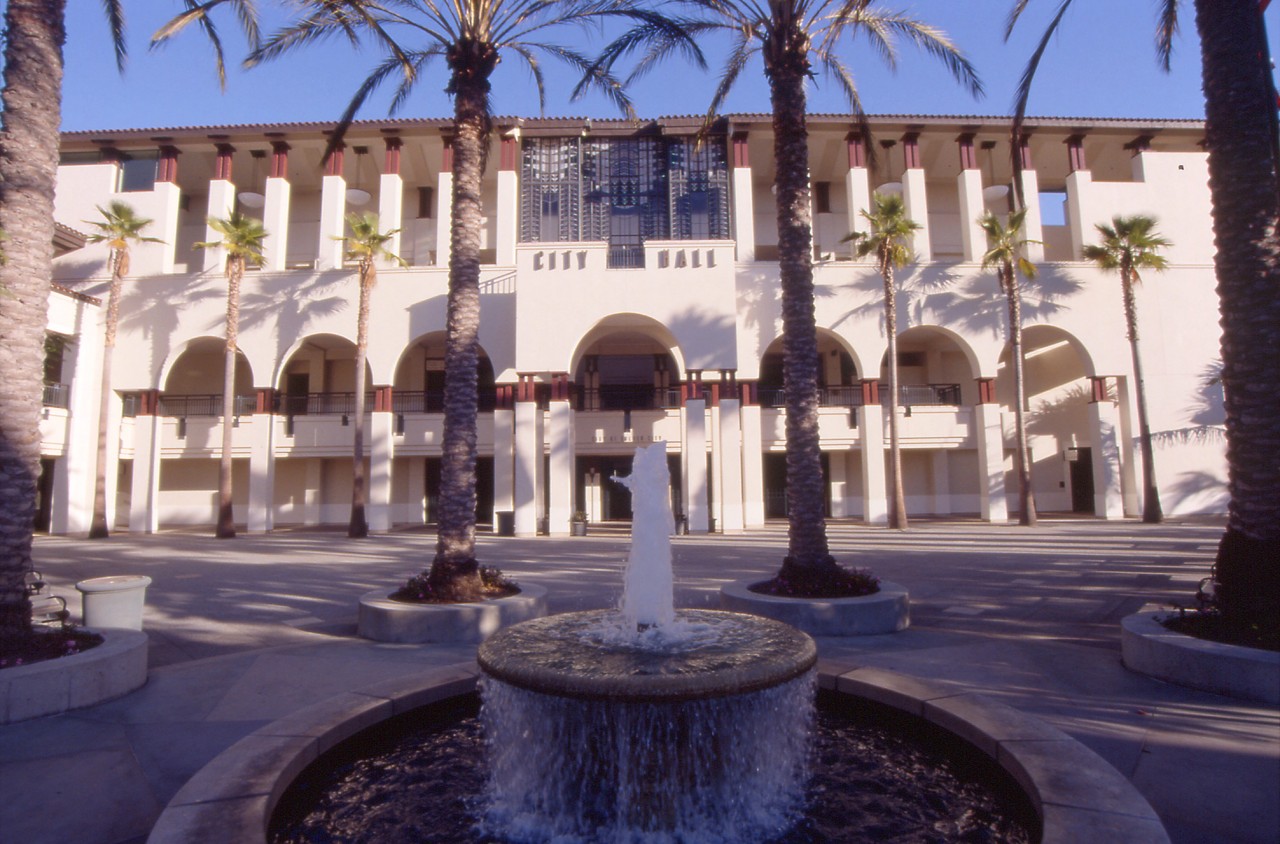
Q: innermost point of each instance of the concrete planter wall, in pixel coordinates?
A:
(112, 669)
(887, 611)
(384, 620)
(1150, 648)
(1077, 794)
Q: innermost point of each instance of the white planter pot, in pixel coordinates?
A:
(114, 601)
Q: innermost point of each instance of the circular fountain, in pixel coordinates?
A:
(657, 725)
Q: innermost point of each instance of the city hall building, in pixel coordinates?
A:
(629, 294)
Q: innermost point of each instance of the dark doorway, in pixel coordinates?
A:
(296, 385)
(775, 486)
(1082, 481)
(44, 495)
(484, 490)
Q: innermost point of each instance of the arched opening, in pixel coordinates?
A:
(933, 369)
(1056, 377)
(837, 374)
(419, 381)
(320, 378)
(194, 384)
(627, 370)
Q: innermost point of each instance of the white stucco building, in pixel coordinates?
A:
(630, 294)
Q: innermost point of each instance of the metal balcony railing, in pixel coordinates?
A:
(57, 395)
(202, 405)
(909, 395)
(432, 401)
(628, 397)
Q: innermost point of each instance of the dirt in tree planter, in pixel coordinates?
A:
(1216, 627)
(40, 646)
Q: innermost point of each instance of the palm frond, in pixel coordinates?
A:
(115, 22)
(1166, 29)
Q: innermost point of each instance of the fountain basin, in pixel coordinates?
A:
(384, 620)
(722, 654)
(1076, 793)
(887, 611)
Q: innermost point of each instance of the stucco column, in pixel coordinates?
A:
(73, 473)
(732, 516)
(1081, 213)
(391, 198)
(382, 449)
(752, 458)
(914, 198)
(222, 201)
(169, 196)
(969, 185)
(507, 229)
(504, 443)
(275, 209)
(528, 458)
(144, 516)
(262, 463)
(857, 184)
(444, 206)
(1105, 431)
(694, 435)
(744, 221)
(561, 446)
(333, 210)
(989, 437)
(875, 507)
(1032, 223)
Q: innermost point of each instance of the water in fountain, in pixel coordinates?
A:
(646, 725)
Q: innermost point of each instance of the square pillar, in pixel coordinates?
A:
(444, 207)
(1108, 501)
(941, 481)
(391, 198)
(1032, 223)
(732, 513)
(993, 506)
(1081, 213)
(222, 201)
(262, 464)
(752, 460)
(528, 459)
(504, 422)
(333, 209)
(560, 441)
(875, 507)
(914, 196)
(857, 185)
(839, 484)
(275, 219)
(973, 239)
(144, 493)
(508, 210)
(74, 472)
(744, 221)
(694, 419)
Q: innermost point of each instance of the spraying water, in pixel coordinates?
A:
(648, 598)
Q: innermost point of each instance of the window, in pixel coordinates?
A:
(426, 203)
(822, 197)
(138, 171)
(79, 158)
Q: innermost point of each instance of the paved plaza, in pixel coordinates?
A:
(246, 631)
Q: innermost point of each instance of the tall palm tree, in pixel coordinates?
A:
(1131, 244)
(366, 245)
(32, 96)
(469, 37)
(791, 37)
(1005, 247)
(889, 240)
(119, 227)
(1242, 136)
(242, 240)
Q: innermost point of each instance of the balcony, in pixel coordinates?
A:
(57, 395)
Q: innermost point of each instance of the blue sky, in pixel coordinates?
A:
(1103, 65)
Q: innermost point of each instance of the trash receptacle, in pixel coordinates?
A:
(115, 601)
(506, 523)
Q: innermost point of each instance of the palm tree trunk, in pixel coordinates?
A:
(898, 506)
(226, 528)
(32, 99)
(1240, 133)
(1151, 512)
(358, 526)
(808, 558)
(454, 568)
(98, 523)
(1026, 499)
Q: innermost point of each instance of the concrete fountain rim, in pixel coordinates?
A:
(1076, 793)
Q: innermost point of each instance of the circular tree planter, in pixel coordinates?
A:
(887, 611)
(384, 620)
(1075, 792)
(1148, 647)
(110, 670)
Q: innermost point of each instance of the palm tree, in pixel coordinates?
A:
(242, 239)
(1005, 246)
(366, 245)
(470, 37)
(1131, 244)
(1242, 136)
(889, 239)
(791, 37)
(120, 226)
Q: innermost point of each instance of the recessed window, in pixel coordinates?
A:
(426, 203)
(822, 197)
(138, 171)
